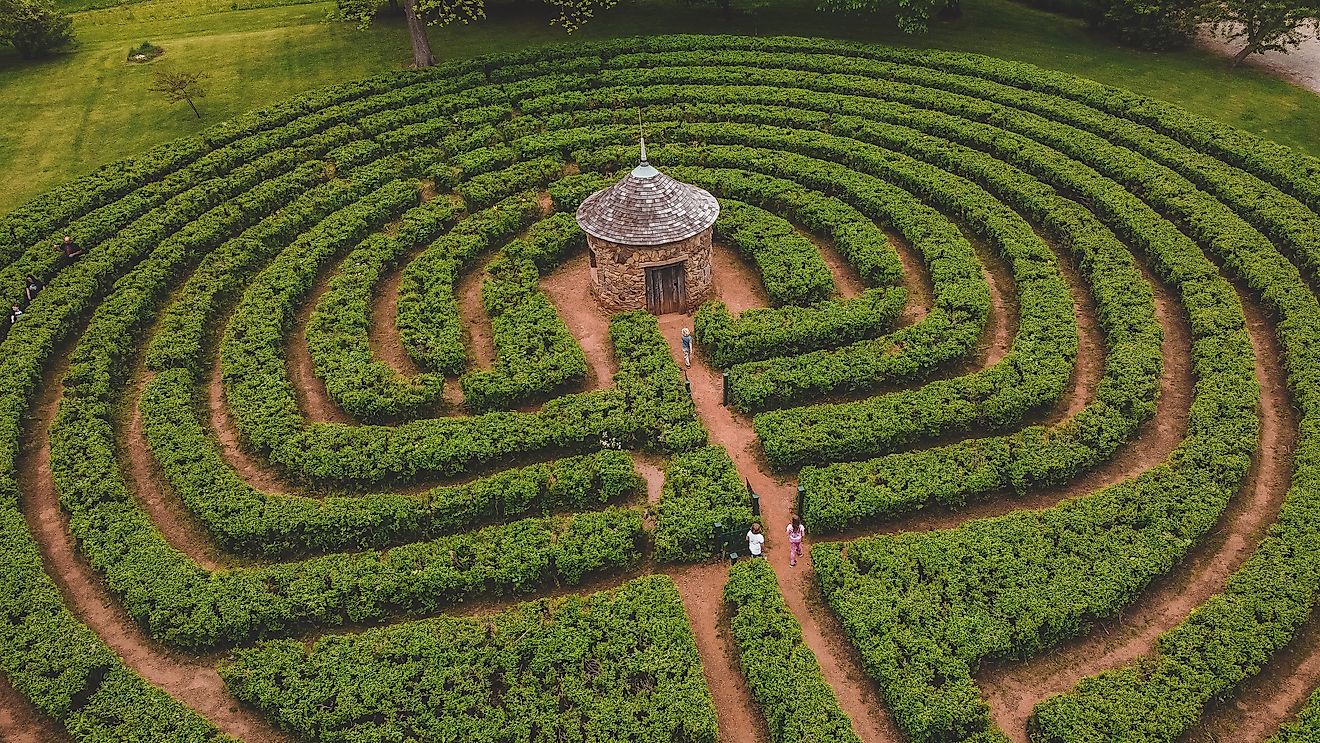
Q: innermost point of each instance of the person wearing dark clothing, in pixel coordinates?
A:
(70, 249)
(30, 287)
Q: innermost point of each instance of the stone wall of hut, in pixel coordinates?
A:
(618, 279)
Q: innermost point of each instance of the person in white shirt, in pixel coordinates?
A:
(755, 539)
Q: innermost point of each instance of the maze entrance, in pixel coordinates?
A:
(665, 291)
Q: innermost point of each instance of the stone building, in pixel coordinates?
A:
(649, 238)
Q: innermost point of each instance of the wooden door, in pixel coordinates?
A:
(665, 291)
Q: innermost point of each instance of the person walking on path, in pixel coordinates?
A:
(687, 347)
(755, 540)
(15, 312)
(30, 287)
(796, 531)
(70, 249)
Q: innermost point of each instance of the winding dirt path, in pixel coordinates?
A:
(1015, 688)
(149, 486)
(1001, 324)
(839, 662)
(316, 404)
(1271, 698)
(191, 680)
(916, 279)
(1090, 362)
(480, 341)
(847, 282)
(569, 290)
(383, 331)
(702, 589)
(20, 722)
(253, 471)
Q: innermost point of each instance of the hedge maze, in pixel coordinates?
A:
(317, 421)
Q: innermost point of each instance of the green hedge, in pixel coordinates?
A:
(619, 665)
(702, 488)
(781, 671)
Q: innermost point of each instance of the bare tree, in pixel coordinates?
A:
(180, 86)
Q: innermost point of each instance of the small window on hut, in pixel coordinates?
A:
(591, 256)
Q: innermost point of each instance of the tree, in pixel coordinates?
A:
(913, 16)
(180, 86)
(34, 27)
(570, 14)
(1266, 25)
(1147, 24)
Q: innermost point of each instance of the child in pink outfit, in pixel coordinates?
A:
(796, 531)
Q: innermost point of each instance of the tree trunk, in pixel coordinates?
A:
(194, 108)
(421, 46)
(1241, 56)
(951, 11)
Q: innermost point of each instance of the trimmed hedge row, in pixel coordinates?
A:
(949, 331)
(337, 332)
(536, 356)
(248, 521)
(781, 671)
(762, 333)
(702, 488)
(792, 269)
(427, 309)
(619, 665)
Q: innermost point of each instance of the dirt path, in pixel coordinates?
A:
(1002, 322)
(148, 484)
(20, 722)
(1015, 688)
(253, 471)
(916, 278)
(472, 314)
(839, 663)
(847, 282)
(702, 590)
(192, 681)
(316, 405)
(1271, 698)
(569, 290)
(1300, 66)
(383, 331)
(1090, 363)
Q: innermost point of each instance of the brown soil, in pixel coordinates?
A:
(1002, 322)
(702, 590)
(916, 279)
(181, 530)
(847, 282)
(20, 722)
(1090, 362)
(1015, 688)
(839, 663)
(383, 332)
(253, 471)
(737, 284)
(1268, 700)
(480, 341)
(569, 290)
(192, 681)
(652, 469)
(315, 403)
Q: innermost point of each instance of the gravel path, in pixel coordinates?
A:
(1300, 66)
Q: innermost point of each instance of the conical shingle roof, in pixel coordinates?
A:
(647, 208)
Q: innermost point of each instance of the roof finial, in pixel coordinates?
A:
(641, 127)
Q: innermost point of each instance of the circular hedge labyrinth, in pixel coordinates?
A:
(324, 439)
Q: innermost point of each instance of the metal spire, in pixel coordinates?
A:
(641, 128)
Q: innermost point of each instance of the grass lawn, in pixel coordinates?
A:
(64, 116)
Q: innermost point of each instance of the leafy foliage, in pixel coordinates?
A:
(34, 27)
(618, 665)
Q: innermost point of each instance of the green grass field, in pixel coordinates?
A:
(64, 116)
